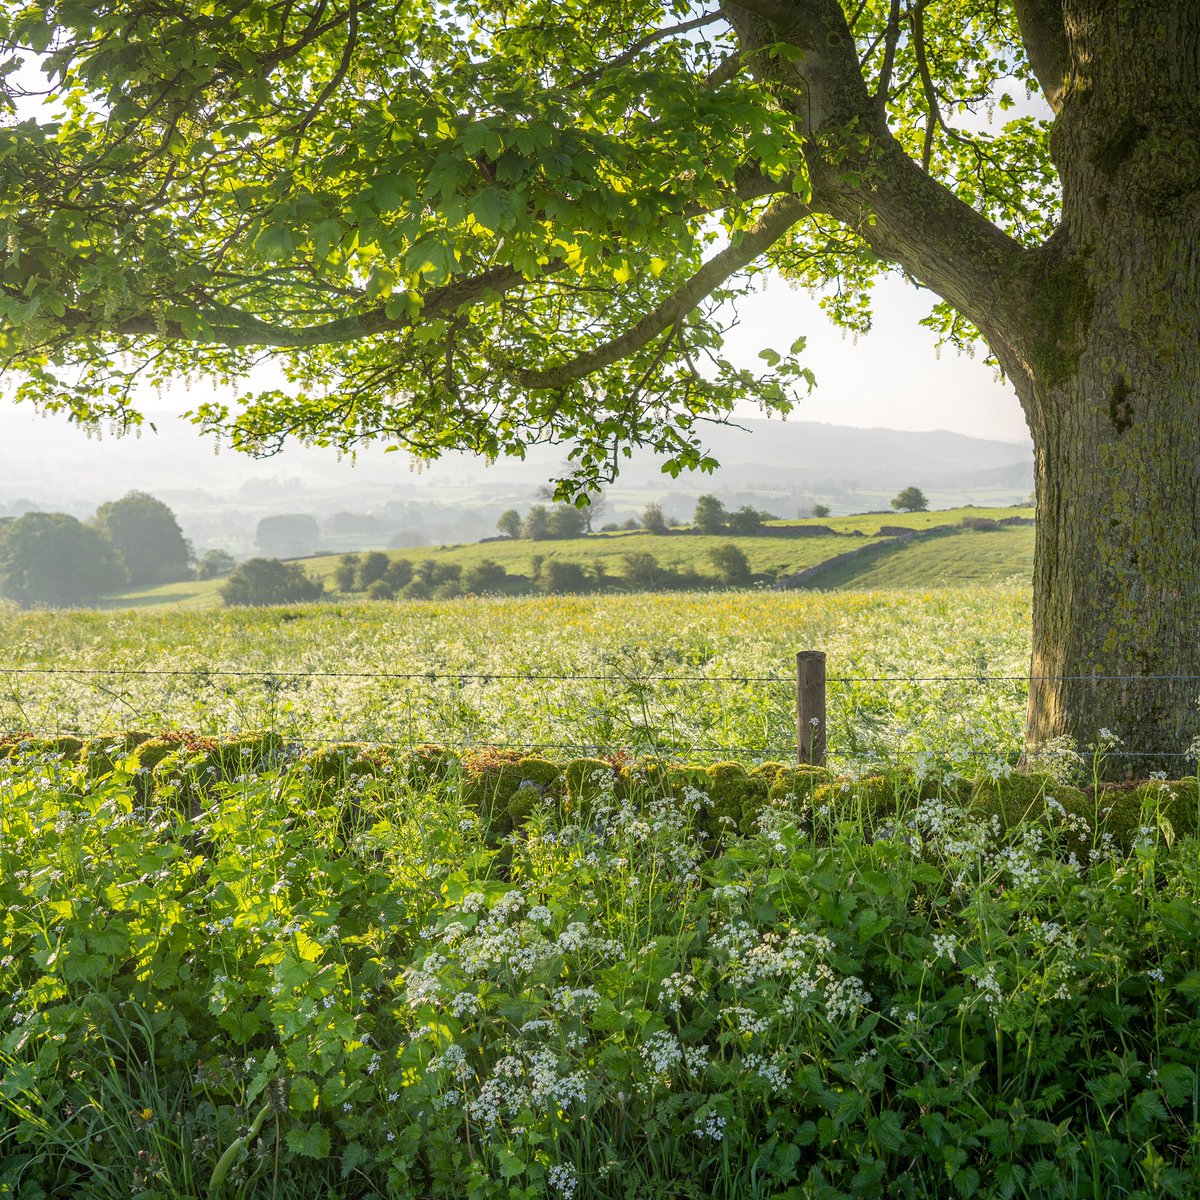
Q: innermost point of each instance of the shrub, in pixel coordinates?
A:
(261, 581)
(373, 566)
(733, 567)
(557, 577)
(381, 589)
(979, 524)
(345, 574)
(747, 521)
(653, 520)
(399, 573)
(483, 577)
(214, 564)
(640, 568)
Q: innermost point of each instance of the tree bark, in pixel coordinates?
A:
(1110, 377)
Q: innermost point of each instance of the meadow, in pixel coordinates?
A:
(704, 675)
(244, 958)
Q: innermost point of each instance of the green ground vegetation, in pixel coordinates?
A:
(685, 557)
(693, 674)
(238, 968)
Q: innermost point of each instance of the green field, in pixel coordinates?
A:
(976, 558)
(700, 673)
(240, 961)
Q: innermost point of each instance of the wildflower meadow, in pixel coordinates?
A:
(278, 966)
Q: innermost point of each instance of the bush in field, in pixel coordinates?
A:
(147, 538)
(51, 559)
(640, 568)
(653, 520)
(381, 589)
(373, 566)
(747, 521)
(399, 573)
(215, 564)
(980, 524)
(345, 574)
(731, 563)
(260, 581)
(483, 577)
(558, 578)
(820, 510)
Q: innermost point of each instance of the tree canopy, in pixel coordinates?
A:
(910, 499)
(146, 535)
(53, 560)
(482, 229)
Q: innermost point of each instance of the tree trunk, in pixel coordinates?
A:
(1111, 383)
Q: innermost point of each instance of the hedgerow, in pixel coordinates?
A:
(241, 969)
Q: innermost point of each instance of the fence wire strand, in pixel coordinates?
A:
(270, 677)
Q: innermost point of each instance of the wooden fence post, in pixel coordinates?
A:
(810, 706)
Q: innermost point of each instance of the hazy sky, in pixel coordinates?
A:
(893, 377)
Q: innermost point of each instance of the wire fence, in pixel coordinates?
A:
(966, 721)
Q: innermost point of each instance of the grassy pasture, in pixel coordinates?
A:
(975, 558)
(685, 673)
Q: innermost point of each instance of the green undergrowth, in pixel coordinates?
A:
(506, 787)
(238, 969)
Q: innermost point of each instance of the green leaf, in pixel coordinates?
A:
(493, 209)
(431, 258)
(312, 1142)
(1178, 1082)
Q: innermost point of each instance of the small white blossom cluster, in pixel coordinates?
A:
(711, 1127)
(796, 961)
(530, 1079)
(563, 1179)
(664, 1054)
(675, 989)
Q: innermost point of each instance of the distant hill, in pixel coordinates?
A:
(780, 466)
(47, 454)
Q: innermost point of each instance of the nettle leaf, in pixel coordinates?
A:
(312, 1142)
(1178, 1082)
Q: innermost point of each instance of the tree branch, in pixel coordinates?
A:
(861, 175)
(644, 43)
(779, 217)
(891, 38)
(1045, 36)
